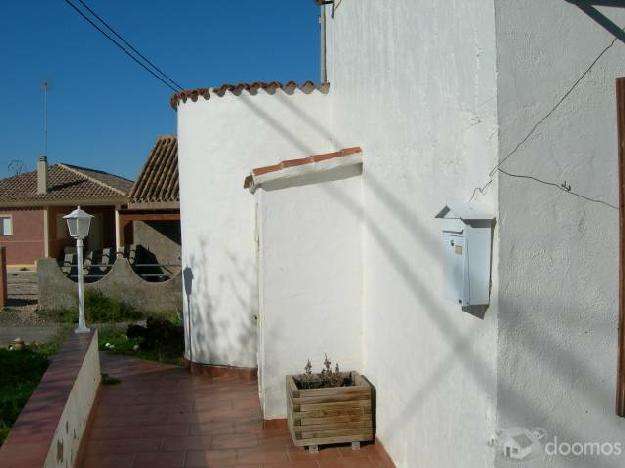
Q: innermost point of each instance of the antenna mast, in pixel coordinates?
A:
(45, 86)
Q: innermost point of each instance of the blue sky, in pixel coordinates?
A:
(104, 110)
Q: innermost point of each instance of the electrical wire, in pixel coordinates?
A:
(110, 28)
(562, 187)
(114, 41)
(524, 140)
(554, 108)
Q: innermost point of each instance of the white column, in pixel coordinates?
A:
(118, 233)
(46, 232)
(82, 328)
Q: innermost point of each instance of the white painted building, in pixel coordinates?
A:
(349, 260)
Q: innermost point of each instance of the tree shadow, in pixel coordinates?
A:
(524, 334)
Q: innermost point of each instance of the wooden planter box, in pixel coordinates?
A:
(330, 415)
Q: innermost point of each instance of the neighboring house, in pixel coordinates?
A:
(505, 108)
(152, 218)
(32, 206)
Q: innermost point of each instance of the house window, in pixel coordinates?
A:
(6, 225)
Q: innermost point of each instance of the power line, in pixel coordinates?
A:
(114, 41)
(110, 28)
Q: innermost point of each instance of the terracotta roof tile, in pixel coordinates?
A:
(252, 88)
(65, 182)
(158, 180)
(299, 162)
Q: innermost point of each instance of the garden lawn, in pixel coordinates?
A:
(20, 373)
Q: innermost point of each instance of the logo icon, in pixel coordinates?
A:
(518, 444)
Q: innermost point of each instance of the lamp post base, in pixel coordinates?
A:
(81, 330)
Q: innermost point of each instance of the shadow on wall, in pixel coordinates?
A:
(533, 339)
(209, 328)
(551, 355)
(588, 7)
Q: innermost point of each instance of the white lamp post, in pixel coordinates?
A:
(78, 224)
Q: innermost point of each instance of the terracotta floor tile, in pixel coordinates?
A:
(364, 450)
(103, 433)
(109, 461)
(161, 416)
(233, 441)
(159, 460)
(347, 462)
(299, 464)
(212, 427)
(123, 446)
(302, 454)
(273, 438)
(262, 455)
(198, 442)
(202, 458)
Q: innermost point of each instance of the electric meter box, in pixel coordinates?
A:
(467, 239)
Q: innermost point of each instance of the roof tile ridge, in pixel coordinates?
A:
(92, 179)
(172, 171)
(147, 189)
(271, 87)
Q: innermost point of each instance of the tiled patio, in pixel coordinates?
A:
(161, 416)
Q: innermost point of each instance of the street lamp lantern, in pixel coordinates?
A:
(78, 222)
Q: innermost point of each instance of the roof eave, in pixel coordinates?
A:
(63, 202)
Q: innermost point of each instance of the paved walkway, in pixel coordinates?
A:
(160, 416)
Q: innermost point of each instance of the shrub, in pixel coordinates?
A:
(159, 335)
(100, 308)
(327, 378)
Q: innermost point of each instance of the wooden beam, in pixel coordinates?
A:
(174, 205)
(128, 216)
(620, 394)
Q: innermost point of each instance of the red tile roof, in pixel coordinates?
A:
(299, 162)
(252, 88)
(65, 183)
(158, 181)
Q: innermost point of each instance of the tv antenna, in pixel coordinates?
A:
(45, 87)
(16, 167)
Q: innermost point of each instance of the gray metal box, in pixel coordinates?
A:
(467, 240)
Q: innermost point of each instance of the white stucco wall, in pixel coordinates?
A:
(558, 313)
(413, 83)
(310, 279)
(219, 141)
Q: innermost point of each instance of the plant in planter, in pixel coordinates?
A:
(329, 407)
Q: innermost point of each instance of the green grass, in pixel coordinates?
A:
(102, 309)
(123, 345)
(20, 373)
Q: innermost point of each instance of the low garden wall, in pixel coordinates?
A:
(50, 428)
(122, 284)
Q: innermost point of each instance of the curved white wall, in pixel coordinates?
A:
(219, 141)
